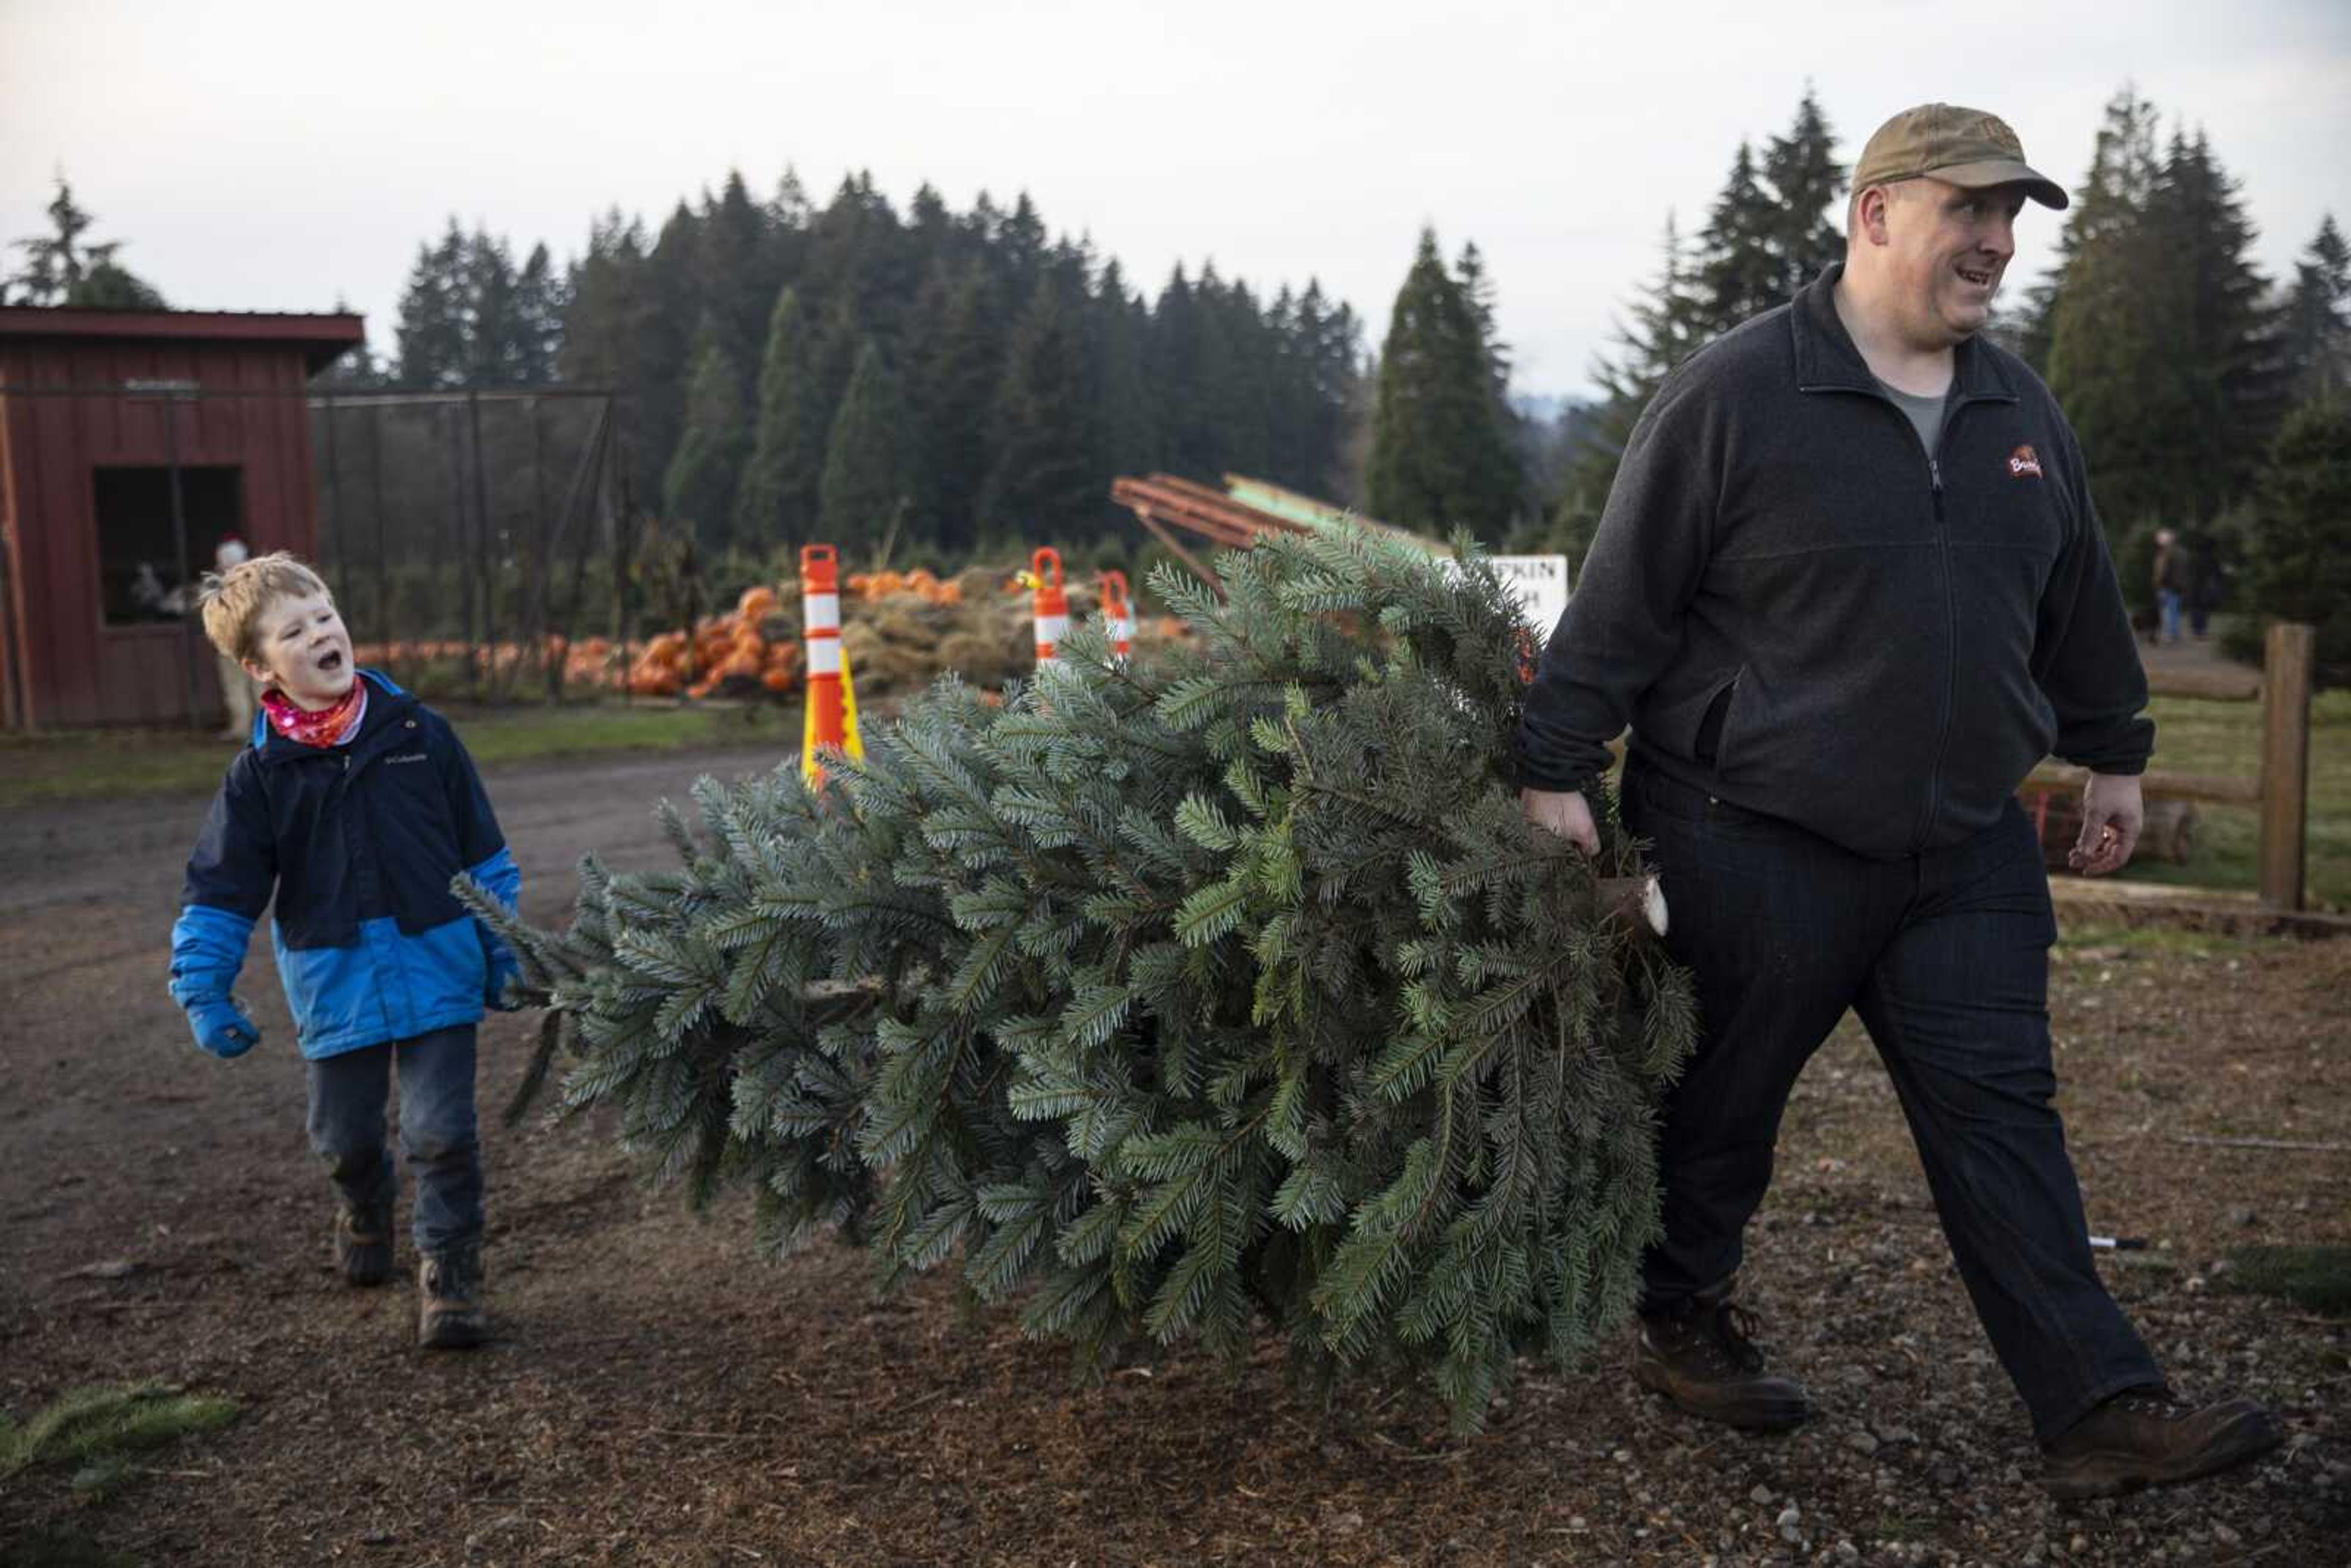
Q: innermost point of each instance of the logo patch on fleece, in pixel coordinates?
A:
(2023, 461)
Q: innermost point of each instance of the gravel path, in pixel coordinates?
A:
(659, 1395)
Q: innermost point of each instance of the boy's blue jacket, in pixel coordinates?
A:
(360, 844)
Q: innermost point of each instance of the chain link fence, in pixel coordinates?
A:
(480, 543)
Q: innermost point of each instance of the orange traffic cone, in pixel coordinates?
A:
(830, 725)
(1052, 604)
(1118, 614)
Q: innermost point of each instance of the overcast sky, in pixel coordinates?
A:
(266, 156)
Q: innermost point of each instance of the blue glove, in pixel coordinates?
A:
(221, 1027)
(503, 970)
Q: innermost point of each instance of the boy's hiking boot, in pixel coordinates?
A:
(1702, 1359)
(2146, 1437)
(363, 1240)
(449, 1312)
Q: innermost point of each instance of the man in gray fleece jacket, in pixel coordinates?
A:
(1848, 589)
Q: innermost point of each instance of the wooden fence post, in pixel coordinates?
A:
(2286, 762)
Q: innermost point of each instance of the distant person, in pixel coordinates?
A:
(147, 593)
(237, 687)
(1848, 589)
(2170, 581)
(355, 808)
(2207, 583)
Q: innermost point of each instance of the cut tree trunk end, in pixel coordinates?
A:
(1637, 903)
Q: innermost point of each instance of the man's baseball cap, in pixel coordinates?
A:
(1961, 146)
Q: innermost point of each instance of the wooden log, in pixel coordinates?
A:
(2157, 784)
(2286, 762)
(2219, 682)
(2168, 833)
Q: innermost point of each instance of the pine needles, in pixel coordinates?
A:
(96, 1430)
(1168, 997)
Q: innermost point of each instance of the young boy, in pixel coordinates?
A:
(356, 805)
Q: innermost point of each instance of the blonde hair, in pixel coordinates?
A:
(233, 601)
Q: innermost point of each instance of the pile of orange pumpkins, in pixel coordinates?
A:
(871, 586)
(751, 651)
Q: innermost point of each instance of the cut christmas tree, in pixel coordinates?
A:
(1174, 1002)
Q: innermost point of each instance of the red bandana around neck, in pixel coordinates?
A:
(322, 727)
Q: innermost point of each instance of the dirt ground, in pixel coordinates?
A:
(657, 1394)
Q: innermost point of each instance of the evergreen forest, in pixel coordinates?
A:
(850, 371)
(952, 385)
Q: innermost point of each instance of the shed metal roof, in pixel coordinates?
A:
(322, 337)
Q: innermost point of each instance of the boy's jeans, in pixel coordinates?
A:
(437, 1132)
(1946, 957)
(2171, 603)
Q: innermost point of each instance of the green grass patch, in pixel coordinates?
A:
(2316, 1278)
(117, 764)
(2098, 940)
(96, 1430)
(2195, 736)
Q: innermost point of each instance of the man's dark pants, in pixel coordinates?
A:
(1945, 956)
(438, 1134)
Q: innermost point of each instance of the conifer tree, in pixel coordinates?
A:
(1215, 380)
(1658, 331)
(2298, 547)
(431, 333)
(1772, 230)
(1121, 396)
(776, 503)
(1172, 357)
(960, 363)
(698, 490)
(671, 322)
(1236, 367)
(868, 477)
(1169, 999)
(1802, 170)
(2315, 325)
(2161, 350)
(535, 337)
(61, 268)
(1440, 458)
(2110, 205)
(1331, 346)
(470, 318)
(1043, 482)
(2224, 344)
(735, 274)
(1739, 271)
(601, 334)
(1478, 293)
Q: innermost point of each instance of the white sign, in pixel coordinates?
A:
(1540, 581)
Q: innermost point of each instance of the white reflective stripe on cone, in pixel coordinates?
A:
(1121, 630)
(824, 656)
(1051, 629)
(821, 611)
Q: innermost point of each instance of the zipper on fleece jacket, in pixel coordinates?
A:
(1943, 544)
(1950, 631)
(1951, 597)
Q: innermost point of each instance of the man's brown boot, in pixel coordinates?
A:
(2145, 1437)
(1702, 1359)
(363, 1240)
(449, 1312)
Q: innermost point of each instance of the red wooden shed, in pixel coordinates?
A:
(130, 442)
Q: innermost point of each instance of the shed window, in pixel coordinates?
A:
(139, 565)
